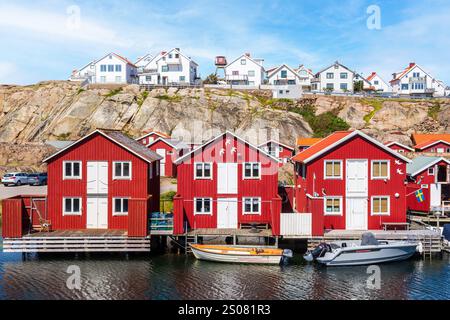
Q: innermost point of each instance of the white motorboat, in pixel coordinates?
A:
(366, 251)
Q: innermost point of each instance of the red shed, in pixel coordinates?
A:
(429, 183)
(92, 182)
(350, 181)
(169, 150)
(397, 146)
(227, 183)
(148, 138)
(434, 146)
(278, 150)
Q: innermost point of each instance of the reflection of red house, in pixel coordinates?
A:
(92, 182)
(278, 150)
(169, 150)
(397, 146)
(227, 183)
(350, 181)
(430, 175)
(152, 136)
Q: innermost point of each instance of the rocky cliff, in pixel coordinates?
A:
(65, 111)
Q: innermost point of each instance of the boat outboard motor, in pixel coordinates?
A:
(316, 253)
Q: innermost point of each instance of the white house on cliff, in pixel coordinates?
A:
(245, 71)
(336, 78)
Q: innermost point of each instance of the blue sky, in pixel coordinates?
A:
(40, 41)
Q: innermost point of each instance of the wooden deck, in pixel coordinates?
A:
(78, 241)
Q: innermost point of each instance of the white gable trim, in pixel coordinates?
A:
(181, 159)
(348, 137)
(149, 134)
(276, 142)
(433, 143)
(104, 135)
(244, 55)
(399, 144)
(429, 165)
(281, 67)
(181, 54)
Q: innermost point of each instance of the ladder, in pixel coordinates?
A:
(188, 241)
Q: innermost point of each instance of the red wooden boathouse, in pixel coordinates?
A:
(94, 182)
(227, 183)
(432, 143)
(397, 146)
(151, 136)
(350, 181)
(169, 150)
(429, 184)
(278, 150)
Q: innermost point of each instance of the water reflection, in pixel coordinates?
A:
(180, 277)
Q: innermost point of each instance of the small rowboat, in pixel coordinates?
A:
(232, 254)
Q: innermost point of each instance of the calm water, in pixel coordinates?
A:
(180, 277)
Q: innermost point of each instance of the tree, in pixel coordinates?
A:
(358, 86)
(211, 79)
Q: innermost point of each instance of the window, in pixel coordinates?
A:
(283, 74)
(202, 206)
(344, 75)
(150, 171)
(252, 170)
(330, 75)
(118, 79)
(118, 68)
(177, 55)
(376, 82)
(333, 169)
(380, 205)
(243, 62)
(380, 169)
(448, 150)
(182, 78)
(251, 205)
(332, 206)
(103, 68)
(330, 86)
(416, 74)
(148, 78)
(170, 56)
(102, 79)
(251, 73)
(235, 73)
(431, 171)
(165, 68)
(110, 68)
(344, 86)
(122, 170)
(203, 170)
(405, 86)
(72, 170)
(71, 206)
(120, 206)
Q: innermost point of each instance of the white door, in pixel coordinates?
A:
(440, 150)
(356, 214)
(357, 182)
(162, 163)
(97, 177)
(97, 213)
(435, 195)
(227, 178)
(227, 213)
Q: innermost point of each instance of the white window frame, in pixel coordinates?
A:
(122, 177)
(251, 213)
(340, 213)
(203, 206)
(388, 213)
(388, 170)
(432, 171)
(252, 177)
(243, 62)
(72, 213)
(325, 177)
(115, 213)
(72, 177)
(203, 171)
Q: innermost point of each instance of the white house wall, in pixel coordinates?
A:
(243, 77)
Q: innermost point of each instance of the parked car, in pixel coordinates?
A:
(37, 179)
(15, 178)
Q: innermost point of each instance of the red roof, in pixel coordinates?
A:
(430, 143)
(371, 76)
(398, 76)
(322, 144)
(430, 137)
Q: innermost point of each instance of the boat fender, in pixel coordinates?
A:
(419, 248)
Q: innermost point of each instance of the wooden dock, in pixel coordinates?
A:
(431, 240)
(77, 241)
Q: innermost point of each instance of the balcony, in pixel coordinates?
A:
(236, 77)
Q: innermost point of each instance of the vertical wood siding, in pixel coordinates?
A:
(170, 168)
(13, 218)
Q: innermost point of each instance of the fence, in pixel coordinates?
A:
(296, 224)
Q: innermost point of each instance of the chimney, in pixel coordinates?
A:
(163, 53)
(247, 54)
(412, 64)
(178, 49)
